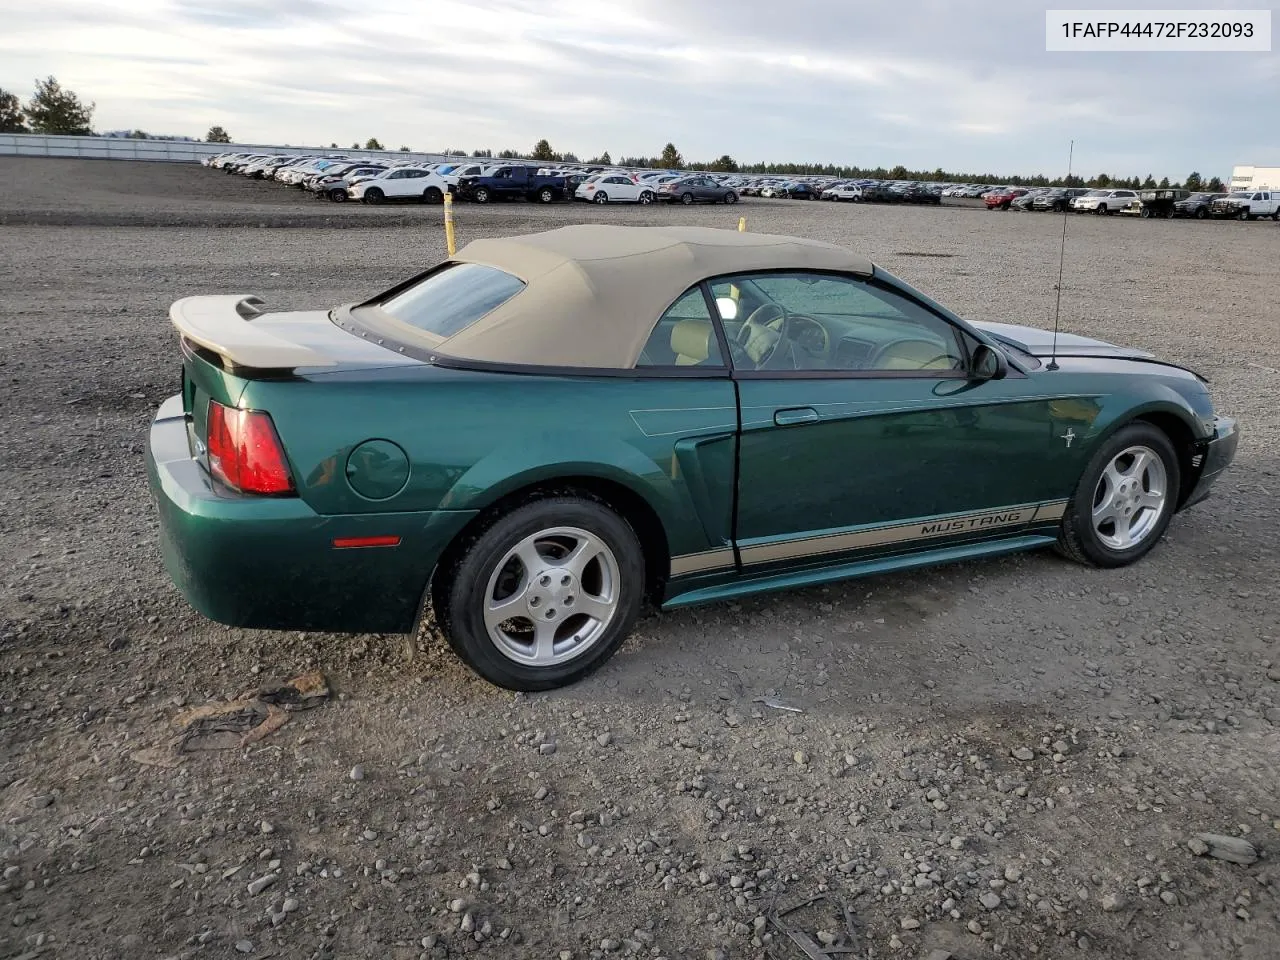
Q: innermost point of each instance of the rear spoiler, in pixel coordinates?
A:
(223, 325)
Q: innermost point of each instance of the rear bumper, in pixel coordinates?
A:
(1218, 452)
(270, 563)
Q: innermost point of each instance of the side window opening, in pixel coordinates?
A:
(825, 322)
(684, 336)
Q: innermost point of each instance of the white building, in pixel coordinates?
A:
(1249, 177)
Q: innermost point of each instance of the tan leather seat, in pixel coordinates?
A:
(691, 341)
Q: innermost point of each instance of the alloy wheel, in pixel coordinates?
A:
(1130, 498)
(552, 597)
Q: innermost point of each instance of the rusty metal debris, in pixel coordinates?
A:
(239, 722)
(845, 943)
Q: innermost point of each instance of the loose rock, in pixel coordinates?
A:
(1231, 849)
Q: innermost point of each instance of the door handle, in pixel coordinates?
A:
(785, 418)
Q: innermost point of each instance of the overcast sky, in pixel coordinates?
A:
(923, 83)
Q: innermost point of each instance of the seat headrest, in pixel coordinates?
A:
(692, 339)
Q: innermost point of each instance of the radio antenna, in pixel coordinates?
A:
(1062, 254)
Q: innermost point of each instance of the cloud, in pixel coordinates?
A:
(924, 83)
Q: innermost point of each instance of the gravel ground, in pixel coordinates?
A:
(1007, 757)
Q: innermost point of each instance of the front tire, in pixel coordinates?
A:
(338, 196)
(730, 197)
(373, 195)
(546, 195)
(1125, 499)
(481, 195)
(545, 595)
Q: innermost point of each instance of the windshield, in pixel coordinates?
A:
(1242, 194)
(1097, 193)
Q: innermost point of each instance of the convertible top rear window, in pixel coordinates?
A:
(452, 298)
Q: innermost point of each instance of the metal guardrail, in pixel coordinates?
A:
(171, 151)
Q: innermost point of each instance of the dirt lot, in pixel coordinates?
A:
(661, 809)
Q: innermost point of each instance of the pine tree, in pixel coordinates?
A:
(11, 116)
(58, 111)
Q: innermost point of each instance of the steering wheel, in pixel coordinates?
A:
(764, 331)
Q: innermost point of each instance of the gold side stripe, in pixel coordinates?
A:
(698, 562)
(1051, 511)
(871, 537)
(902, 533)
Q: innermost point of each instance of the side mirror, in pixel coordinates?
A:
(988, 364)
(728, 308)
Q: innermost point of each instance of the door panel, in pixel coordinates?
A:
(879, 452)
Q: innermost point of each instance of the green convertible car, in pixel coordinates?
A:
(535, 436)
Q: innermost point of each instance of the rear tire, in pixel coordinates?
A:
(601, 197)
(686, 198)
(1201, 213)
(646, 196)
(1082, 538)
(433, 195)
(490, 571)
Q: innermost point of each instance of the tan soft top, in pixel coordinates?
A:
(594, 292)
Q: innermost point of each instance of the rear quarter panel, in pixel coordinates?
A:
(472, 438)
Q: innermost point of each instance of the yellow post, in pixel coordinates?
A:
(448, 224)
(742, 224)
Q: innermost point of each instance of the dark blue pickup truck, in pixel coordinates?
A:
(511, 182)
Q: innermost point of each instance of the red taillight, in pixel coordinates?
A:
(245, 452)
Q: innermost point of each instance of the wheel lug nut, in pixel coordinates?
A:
(545, 581)
(568, 601)
(551, 614)
(535, 601)
(564, 581)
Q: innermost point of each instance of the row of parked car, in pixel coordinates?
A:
(340, 178)
(1158, 202)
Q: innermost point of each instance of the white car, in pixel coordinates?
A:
(296, 173)
(614, 188)
(846, 191)
(462, 170)
(1104, 201)
(400, 183)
